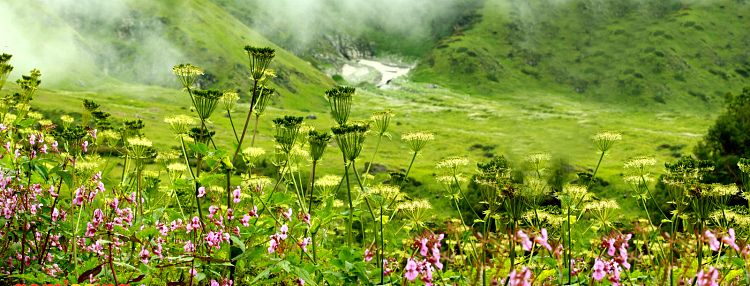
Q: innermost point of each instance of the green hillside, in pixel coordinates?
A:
(641, 52)
(140, 46)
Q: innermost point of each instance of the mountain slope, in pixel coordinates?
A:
(138, 41)
(642, 52)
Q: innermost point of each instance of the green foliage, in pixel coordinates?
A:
(728, 139)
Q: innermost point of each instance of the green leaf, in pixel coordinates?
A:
(238, 242)
(199, 148)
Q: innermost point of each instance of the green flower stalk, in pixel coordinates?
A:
(259, 58)
(263, 97)
(5, 69)
(603, 211)
(138, 148)
(29, 84)
(340, 101)
(187, 74)
(206, 102)
(287, 131)
(349, 138)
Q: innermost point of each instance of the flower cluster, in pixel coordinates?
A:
(617, 248)
(429, 248)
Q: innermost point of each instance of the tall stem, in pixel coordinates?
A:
(351, 206)
(247, 121)
(255, 130)
(372, 158)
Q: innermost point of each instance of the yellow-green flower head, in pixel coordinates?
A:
(187, 74)
(318, 143)
(29, 84)
(640, 163)
(138, 146)
(450, 179)
(605, 140)
(253, 152)
(381, 120)
(66, 119)
(534, 188)
(45, 123)
(744, 165)
(350, 137)
(388, 193)
(177, 167)
(180, 124)
(205, 102)
(287, 131)
(167, 156)
(415, 205)
(573, 194)
(259, 58)
(35, 115)
(229, 100)
(601, 205)
(453, 163)
(720, 190)
(299, 155)
(638, 179)
(340, 101)
(417, 140)
(256, 183)
(327, 184)
(538, 158)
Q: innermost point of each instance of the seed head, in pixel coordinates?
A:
(205, 102)
(262, 98)
(453, 163)
(340, 101)
(349, 138)
(380, 121)
(318, 143)
(287, 131)
(640, 163)
(259, 58)
(720, 190)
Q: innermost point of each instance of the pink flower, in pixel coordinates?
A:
(730, 240)
(522, 278)
(144, 255)
(236, 194)
(90, 230)
(85, 146)
(212, 211)
(300, 282)
(193, 272)
(598, 272)
(542, 239)
(214, 283)
(288, 214)
(201, 192)
(368, 255)
(253, 212)
(410, 271)
(189, 247)
(196, 222)
(712, 241)
(283, 231)
(245, 220)
(525, 241)
(708, 279)
(304, 243)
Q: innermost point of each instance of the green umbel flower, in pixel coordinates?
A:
(29, 84)
(318, 143)
(380, 121)
(350, 137)
(340, 100)
(605, 140)
(287, 131)
(417, 140)
(259, 58)
(229, 100)
(205, 102)
(262, 98)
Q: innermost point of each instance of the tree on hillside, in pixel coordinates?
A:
(728, 139)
